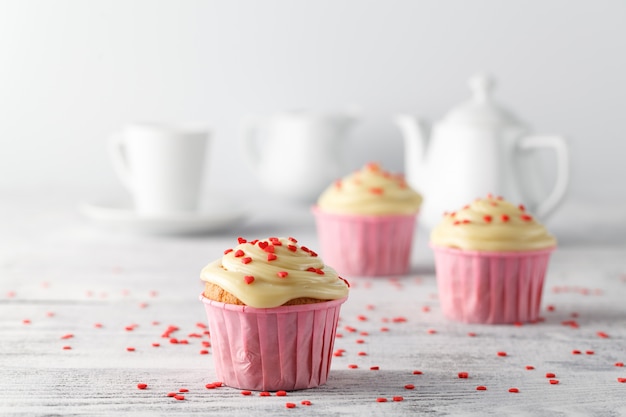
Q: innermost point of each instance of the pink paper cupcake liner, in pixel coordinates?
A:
(366, 245)
(490, 287)
(270, 349)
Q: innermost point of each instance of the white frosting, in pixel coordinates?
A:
(370, 191)
(268, 273)
(491, 224)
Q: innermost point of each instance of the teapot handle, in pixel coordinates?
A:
(248, 141)
(558, 144)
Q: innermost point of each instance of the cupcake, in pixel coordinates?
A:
(366, 221)
(491, 259)
(272, 307)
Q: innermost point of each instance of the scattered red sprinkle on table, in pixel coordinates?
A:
(550, 375)
(179, 397)
(353, 366)
(204, 352)
(501, 353)
(384, 329)
(67, 348)
(361, 318)
(550, 308)
(156, 344)
(622, 380)
(529, 367)
(409, 386)
(210, 386)
(67, 336)
(576, 352)
(416, 372)
(589, 352)
(619, 364)
(360, 341)
(26, 321)
(183, 390)
(98, 325)
(381, 400)
(281, 393)
(130, 349)
(463, 375)
(554, 381)
(481, 388)
(374, 368)
(603, 335)
(246, 392)
(171, 394)
(265, 394)
(141, 385)
(398, 398)
(49, 314)
(290, 405)
(431, 331)
(306, 402)
(471, 334)
(515, 390)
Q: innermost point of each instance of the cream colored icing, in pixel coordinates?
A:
(370, 191)
(295, 272)
(491, 224)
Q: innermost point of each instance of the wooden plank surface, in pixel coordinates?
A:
(65, 283)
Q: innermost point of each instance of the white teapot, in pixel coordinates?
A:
(480, 148)
(296, 154)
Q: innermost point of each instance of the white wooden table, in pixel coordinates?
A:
(81, 309)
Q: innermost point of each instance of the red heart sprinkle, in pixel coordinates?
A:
(246, 260)
(271, 257)
(249, 279)
(241, 240)
(481, 388)
(263, 245)
(239, 253)
(282, 274)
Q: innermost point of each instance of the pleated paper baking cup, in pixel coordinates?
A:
(270, 349)
(490, 287)
(366, 245)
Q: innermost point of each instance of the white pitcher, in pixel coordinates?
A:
(295, 155)
(480, 148)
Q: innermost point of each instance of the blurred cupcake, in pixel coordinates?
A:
(272, 307)
(491, 259)
(366, 221)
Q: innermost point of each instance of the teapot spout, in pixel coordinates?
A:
(415, 143)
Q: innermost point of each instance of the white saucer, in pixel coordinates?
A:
(121, 215)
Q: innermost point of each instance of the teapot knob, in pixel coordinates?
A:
(482, 86)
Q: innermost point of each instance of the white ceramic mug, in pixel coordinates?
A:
(296, 154)
(162, 166)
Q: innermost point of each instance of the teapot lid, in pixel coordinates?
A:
(481, 109)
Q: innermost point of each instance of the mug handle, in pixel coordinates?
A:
(249, 144)
(119, 159)
(558, 144)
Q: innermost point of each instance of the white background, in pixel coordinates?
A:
(73, 72)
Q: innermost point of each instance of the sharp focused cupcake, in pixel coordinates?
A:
(491, 259)
(272, 307)
(366, 221)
